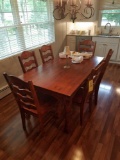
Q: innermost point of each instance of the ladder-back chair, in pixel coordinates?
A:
(85, 93)
(106, 61)
(46, 53)
(87, 46)
(27, 100)
(28, 60)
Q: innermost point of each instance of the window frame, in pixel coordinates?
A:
(16, 18)
(100, 18)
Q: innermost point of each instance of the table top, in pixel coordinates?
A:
(53, 77)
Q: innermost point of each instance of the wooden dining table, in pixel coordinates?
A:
(53, 79)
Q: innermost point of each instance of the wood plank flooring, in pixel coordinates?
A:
(97, 139)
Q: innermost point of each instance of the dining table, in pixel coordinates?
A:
(54, 79)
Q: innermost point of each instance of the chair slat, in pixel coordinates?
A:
(87, 46)
(46, 53)
(27, 105)
(30, 63)
(25, 98)
(22, 91)
(27, 60)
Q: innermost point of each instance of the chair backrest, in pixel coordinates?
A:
(93, 79)
(106, 61)
(28, 61)
(46, 53)
(87, 46)
(108, 56)
(24, 93)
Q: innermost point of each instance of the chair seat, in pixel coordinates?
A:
(47, 104)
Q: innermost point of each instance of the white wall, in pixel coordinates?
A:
(60, 36)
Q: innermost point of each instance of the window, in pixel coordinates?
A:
(25, 24)
(109, 12)
(111, 16)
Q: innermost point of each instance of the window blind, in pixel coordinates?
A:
(109, 4)
(25, 24)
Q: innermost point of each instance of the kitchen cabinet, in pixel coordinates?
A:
(104, 44)
(71, 42)
(118, 55)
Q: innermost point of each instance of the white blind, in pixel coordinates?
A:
(25, 24)
(109, 4)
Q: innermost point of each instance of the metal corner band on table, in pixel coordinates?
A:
(52, 78)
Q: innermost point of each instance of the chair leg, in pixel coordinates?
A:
(41, 124)
(81, 110)
(23, 120)
(27, 116)
(81, 115)
(96, 95)
(90, 103)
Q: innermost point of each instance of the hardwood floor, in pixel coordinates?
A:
(97, 139)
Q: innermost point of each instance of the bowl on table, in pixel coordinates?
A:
(77, 59)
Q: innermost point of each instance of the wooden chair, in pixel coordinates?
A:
(85, 93)
(106, 61)
(46, 53)
(28, 61)
(87, 46)
(108, 56)
(27, 100)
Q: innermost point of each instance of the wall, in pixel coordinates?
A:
(79, 27)
(60, 35)
(86, 24)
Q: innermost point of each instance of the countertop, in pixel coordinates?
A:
(107, 36)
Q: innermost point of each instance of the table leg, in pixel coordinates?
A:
(68, 112)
